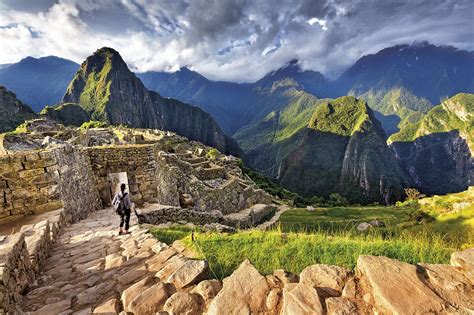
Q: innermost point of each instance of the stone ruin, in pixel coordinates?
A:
(60, 252)
(169, 178)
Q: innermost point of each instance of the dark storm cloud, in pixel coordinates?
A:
(230, 39)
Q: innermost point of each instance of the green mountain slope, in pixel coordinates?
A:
(395, 106)
(343, 150)
(455, 113)
(12, 111)
(110, 92)
(281, 111)
(436, 151)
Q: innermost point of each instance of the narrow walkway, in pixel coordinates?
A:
(91, 264)
(269, 224)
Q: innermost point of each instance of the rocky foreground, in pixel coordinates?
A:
(91, 269)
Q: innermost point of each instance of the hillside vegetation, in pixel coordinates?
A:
(455, 113)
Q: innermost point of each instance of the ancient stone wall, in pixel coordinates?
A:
(16, 271)
(76, 185)
(38, 181)
(138, 161)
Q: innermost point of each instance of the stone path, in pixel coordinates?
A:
(91, 267)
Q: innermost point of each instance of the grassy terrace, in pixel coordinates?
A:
(294, 251)
(340, 219)
(329, 236)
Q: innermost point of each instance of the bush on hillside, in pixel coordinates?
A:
(413, 194)
(93, 124)
(212, 154)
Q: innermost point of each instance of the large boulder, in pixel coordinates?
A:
(208, 289)
(340, 306)
(151, 300)
(182, 303)
(464, 260)
(300, 298)
(129, 294)
(243, 292)
(190, 273)
(451, 284)
(395, 287)
(327, 279)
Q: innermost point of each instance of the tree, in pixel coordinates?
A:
(413, 194)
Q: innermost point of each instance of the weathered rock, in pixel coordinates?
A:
(340, 306)
(54, 308)
(132, 275)
(190, 273)
(108, 307)
(328, 279)
(208, 289)
(184, 303)
(285, 276)
(243, 292)
(396, 287)
(349, 290)
(363, 226)
(157, 263)
(151, 300)
(129, 294)
(377, 223)
(300, 298)
(451, 284)
(464, 259)
(171, 267)
(113, 261)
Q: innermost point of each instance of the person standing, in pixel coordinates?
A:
(123, 207)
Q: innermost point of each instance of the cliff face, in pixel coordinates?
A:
(69, 114)
(12, 111)
(343, 150)
(108, 91)
(436, 152)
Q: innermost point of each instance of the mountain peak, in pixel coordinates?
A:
(106, 50)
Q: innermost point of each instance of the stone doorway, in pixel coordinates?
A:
(115, 180)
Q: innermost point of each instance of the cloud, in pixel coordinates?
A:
(237, 40)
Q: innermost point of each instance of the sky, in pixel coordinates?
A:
(232, 40)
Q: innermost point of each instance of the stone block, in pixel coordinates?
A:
(31, 173)
(54, 205)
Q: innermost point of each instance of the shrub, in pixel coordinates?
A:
(93, 124)
(336, 199)
(212, 154)
(413, 194)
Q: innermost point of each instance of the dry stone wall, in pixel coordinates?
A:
(38, 181)
(16, 271)
(138, 161)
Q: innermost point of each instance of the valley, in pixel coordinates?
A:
(267, 122)
(275, 178)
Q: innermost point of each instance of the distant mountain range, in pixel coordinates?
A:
(38, 82)
(293, 125)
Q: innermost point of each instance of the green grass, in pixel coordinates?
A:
(337, 219)
(294, 251)
(329, 236)
(453, 223)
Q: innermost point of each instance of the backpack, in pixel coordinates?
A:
(119, 205)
